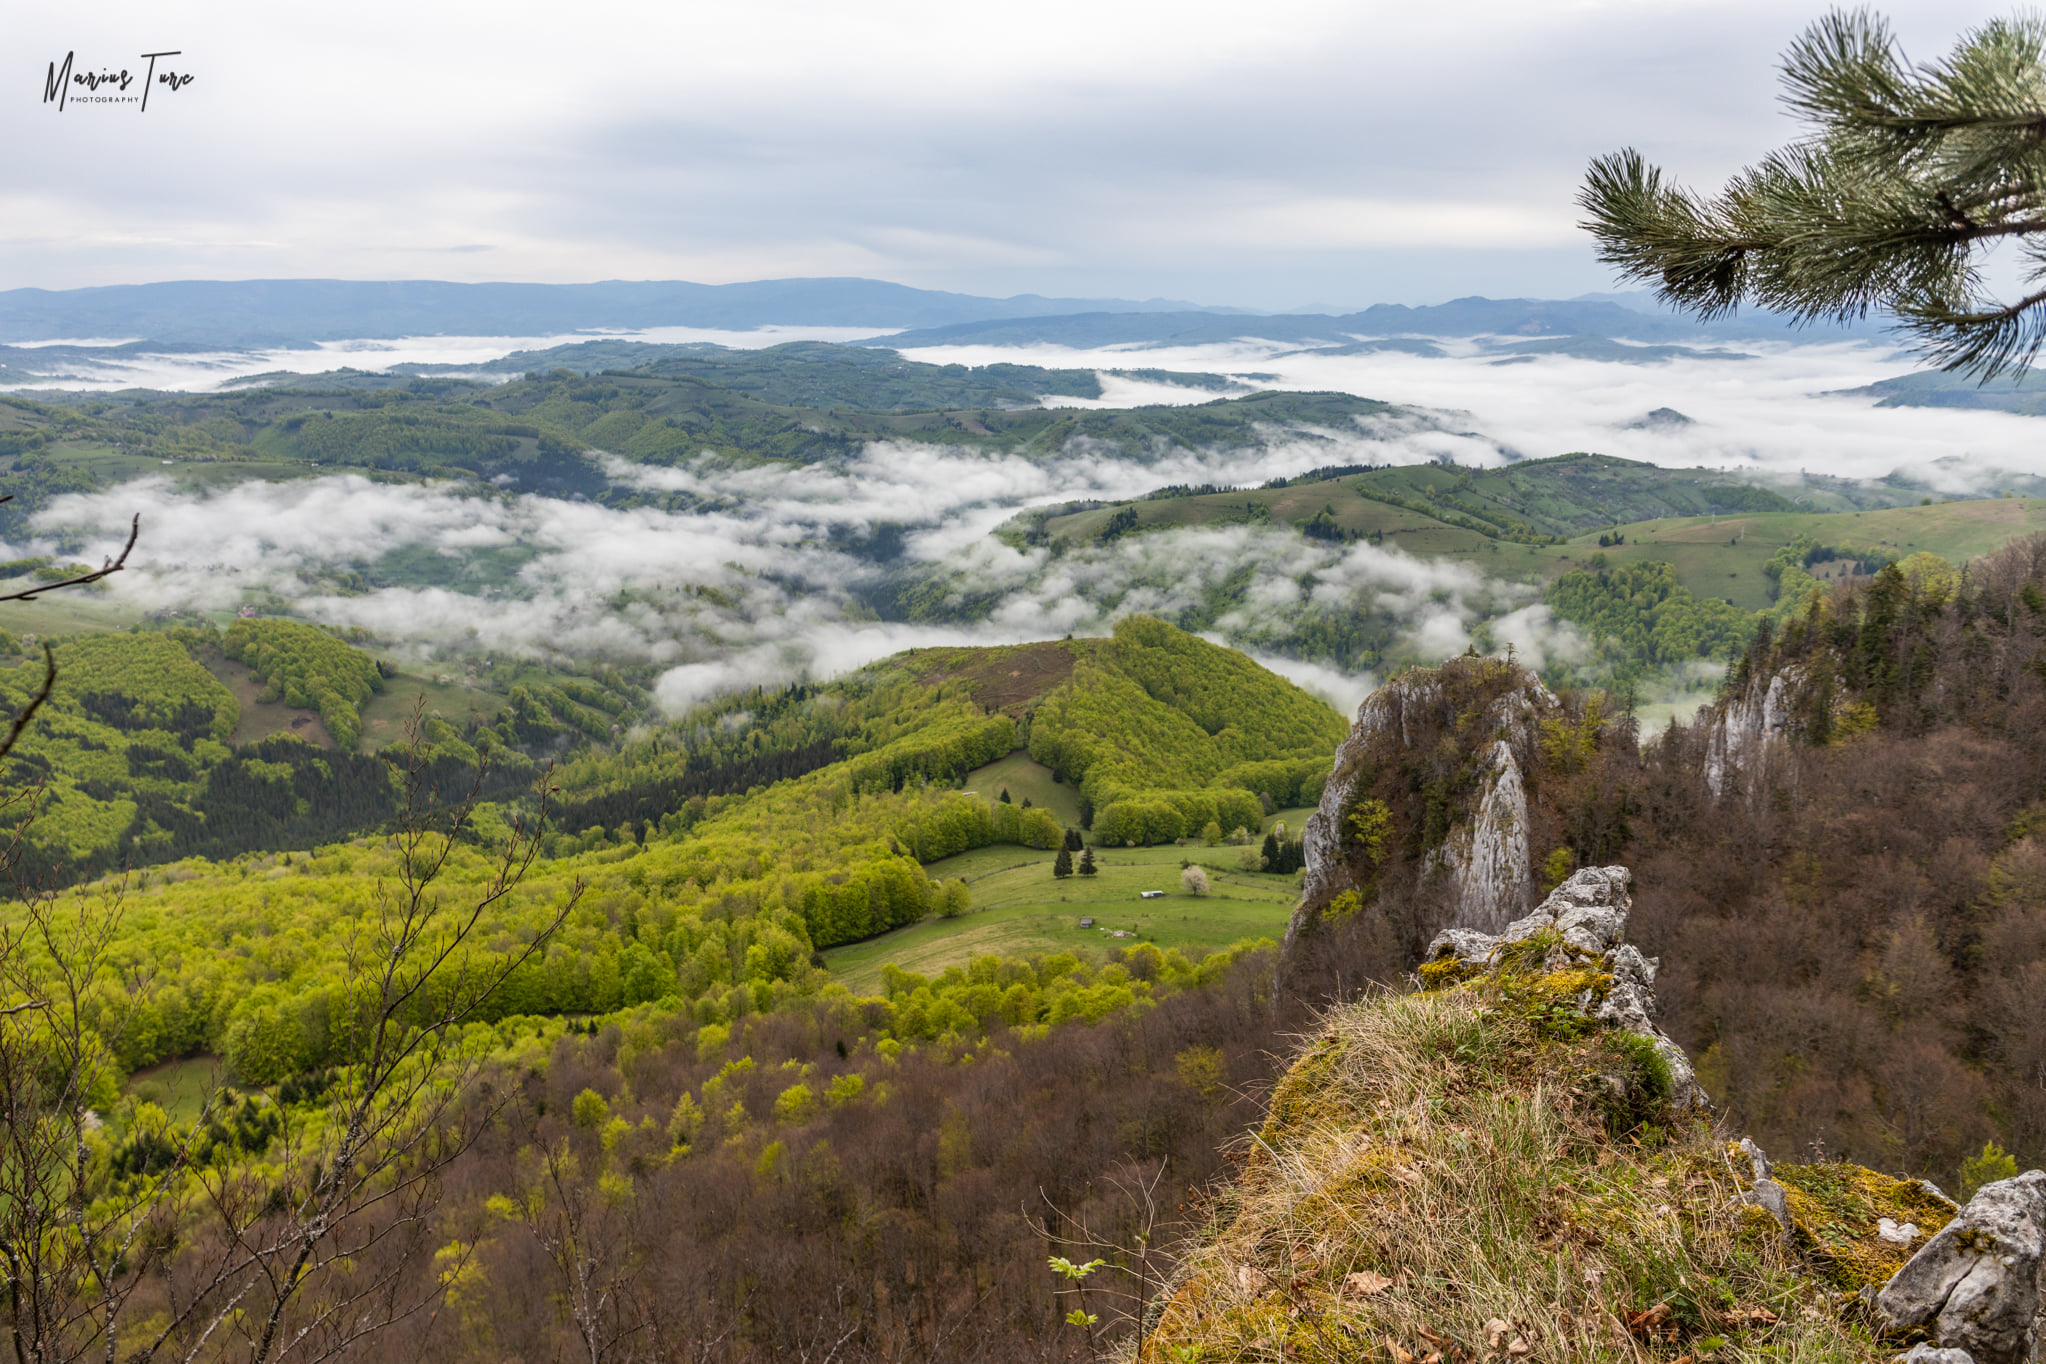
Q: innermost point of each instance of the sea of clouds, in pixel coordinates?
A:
(766, 588)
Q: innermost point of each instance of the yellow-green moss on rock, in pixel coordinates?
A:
(1836, 1210)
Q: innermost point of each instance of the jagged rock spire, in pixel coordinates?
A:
(1587, 917)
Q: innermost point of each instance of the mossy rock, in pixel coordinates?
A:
(1445, 1175)
(1446, 970)
(1835, 1208)
(1305, 1096)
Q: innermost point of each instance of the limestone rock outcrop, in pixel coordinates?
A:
(1584, 921)
(1975, 1285)
(1741, 730)
(1485, 859)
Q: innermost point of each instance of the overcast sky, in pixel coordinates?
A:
(1268, 154)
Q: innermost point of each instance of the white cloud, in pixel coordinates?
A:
(1257, 155)
(761, 590)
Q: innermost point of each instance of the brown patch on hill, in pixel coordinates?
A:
(259, 718)
(1007, 677)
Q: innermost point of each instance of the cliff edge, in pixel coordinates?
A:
(1426, 820)
(1512, 1163)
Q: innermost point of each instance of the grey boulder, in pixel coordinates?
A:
(1975, 1285)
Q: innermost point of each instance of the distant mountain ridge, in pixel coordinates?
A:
(201, 314)
(1463, 317)
(292, 312)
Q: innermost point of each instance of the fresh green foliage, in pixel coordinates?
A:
(1155, 724)
(716, 907)
(1987, 1166)
(989, 992)
(1911, 173)
(132, 756)
(1641, 616)
(303, 665)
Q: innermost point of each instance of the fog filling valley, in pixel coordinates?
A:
(772, 583)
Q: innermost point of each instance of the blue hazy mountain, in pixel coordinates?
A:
(1463, 317)
(285, 312)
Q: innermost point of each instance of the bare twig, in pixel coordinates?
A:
(107, 567)
(35, 703)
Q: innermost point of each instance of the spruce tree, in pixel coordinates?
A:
(1087, 862)
(1005, 797)
(1073, 842)
(1909, 174)
(1062, 865)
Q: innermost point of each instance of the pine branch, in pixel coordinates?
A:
(1910, 174)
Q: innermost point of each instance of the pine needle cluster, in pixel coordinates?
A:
(1911, 173)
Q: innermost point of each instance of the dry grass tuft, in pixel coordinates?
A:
(1454, 1175)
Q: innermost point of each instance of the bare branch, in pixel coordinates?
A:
(107, 567)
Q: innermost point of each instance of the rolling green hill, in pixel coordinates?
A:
(1438, 509)
(801, 403)
(1725, 556)
(719, 898)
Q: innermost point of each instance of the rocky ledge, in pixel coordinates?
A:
(1579, 928)
(1515, 1163)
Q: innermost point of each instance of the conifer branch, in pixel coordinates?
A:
(1909, 173)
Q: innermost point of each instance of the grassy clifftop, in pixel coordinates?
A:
(1485, 1172)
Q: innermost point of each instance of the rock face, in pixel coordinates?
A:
(1975, 1285)
(1485, 859)
(1744, 727)
(1588, 916)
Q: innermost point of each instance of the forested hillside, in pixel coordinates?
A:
(678, 1035)
(710, 891)
(1845, 889)
(1166, 735)
(532, 431)
(137, 760)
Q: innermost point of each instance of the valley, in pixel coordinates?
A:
(785, 699)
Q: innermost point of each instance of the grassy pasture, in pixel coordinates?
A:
(387, 712)
(1723, 556)
(259, 718)
(1026, 779)
(1019, 908)
(177, 1087)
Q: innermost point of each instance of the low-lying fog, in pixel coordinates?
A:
(788, 596)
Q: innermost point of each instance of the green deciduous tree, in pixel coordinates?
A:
(1910, 173)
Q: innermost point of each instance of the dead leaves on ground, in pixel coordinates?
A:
(1501, 1340)
(1655, 1323)
(1364, 1284)
(1503, 1345)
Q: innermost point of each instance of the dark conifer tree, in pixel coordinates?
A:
(1087, 867)
(1062, 865)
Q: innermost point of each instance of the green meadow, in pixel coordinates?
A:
(1020, 909)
